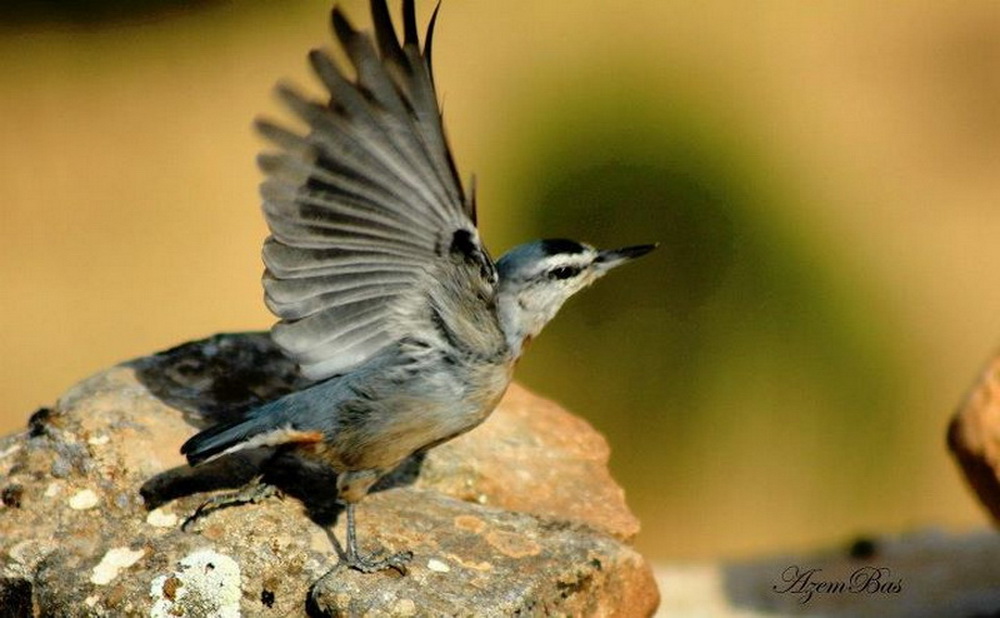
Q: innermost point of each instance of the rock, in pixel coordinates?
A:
(974, 438)
(517, 516)
(487, 560)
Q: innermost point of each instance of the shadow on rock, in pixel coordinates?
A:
(219, 380)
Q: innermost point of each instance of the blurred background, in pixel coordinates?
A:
(824, 178)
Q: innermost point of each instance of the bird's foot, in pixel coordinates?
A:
(372, 563)
(253, 492)
(376, 562)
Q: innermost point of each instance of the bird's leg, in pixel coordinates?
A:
(373, 562)
(352, 536)
(352, 487)
(253, 492)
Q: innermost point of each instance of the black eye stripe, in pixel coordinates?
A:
(564, 272)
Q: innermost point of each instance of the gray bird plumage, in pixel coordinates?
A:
(375, 268)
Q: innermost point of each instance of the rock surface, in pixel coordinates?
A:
(974, 438)
(519, 516)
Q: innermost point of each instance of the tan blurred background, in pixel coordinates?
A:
(824, 178)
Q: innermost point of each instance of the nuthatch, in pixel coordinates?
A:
(385, 294)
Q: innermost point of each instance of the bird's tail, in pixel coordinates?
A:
(216, 440)
(264, 427)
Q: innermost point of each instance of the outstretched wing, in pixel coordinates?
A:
(367, 213)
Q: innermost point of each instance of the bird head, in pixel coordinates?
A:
(536, 278)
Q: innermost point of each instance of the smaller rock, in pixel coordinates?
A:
(974, 437)
(113, 562)
(100, 440)
(437, 566)
(83, 500)
(159, 518)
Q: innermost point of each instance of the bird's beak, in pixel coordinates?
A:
(609, 258)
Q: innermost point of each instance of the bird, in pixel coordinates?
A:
(385, 295)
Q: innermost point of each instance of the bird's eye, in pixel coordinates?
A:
(564, 272)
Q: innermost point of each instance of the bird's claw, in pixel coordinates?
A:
(252, 493)
(375, 562)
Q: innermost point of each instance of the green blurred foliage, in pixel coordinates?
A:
(741, 340)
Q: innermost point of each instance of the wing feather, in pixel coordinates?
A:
(359, 155)
(292, 263)
(370, 227)
(401, 137)
(312, 338)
